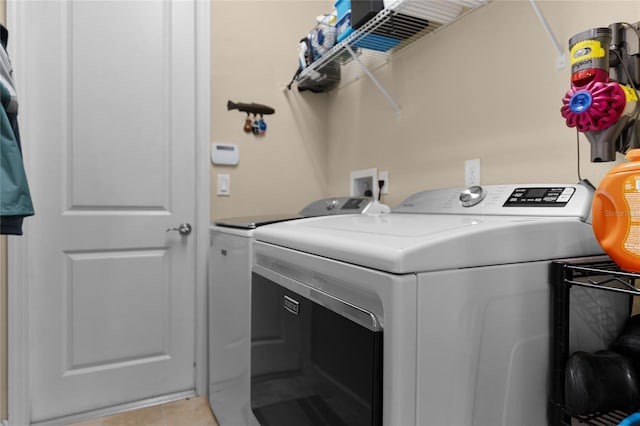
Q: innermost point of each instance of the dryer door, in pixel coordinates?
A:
(315, 359)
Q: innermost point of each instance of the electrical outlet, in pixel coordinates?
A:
(472, 172)
(384, 176)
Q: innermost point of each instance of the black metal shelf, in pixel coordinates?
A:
(598, 272)
(602, 419)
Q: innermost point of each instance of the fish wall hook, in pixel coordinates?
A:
(255, 126)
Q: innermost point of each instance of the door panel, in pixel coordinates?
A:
(110, 105)
(123, 72)
(110, 309)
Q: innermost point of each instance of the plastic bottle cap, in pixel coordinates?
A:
(633, 155)
(580, 101)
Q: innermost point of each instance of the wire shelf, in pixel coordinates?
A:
(611, 418)
(602, 274)
(404, 22)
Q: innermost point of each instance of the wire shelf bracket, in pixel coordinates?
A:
(375, 81)
(561, 61)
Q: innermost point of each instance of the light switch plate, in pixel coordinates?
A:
(224, 185)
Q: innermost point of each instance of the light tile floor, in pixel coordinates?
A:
(186, 412)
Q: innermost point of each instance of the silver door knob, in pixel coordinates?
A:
(183, 229)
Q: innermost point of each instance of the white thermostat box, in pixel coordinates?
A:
(225, 154)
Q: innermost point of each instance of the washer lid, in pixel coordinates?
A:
(321, 207)
(408, 243)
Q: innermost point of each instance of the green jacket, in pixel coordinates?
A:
(15, 198)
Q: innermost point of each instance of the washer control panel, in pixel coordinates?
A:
(557, 196)
(336, 205)
(572, 200)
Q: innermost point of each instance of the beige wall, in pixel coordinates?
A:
(253, 57)
(485, 87)
(3, 327)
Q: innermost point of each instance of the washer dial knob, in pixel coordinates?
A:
(331, 204)
(472, 196)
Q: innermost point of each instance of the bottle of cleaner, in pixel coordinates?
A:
(616, 213)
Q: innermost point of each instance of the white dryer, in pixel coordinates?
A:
(230, 259)
(436, 314)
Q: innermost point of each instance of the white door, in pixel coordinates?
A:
(109, 128)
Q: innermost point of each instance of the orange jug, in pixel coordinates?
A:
(616, 213)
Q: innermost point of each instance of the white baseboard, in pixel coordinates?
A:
(115, 409)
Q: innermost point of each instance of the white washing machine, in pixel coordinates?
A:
(230, 261)
(436, 314)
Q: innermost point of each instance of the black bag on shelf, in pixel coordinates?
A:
(628, 342)
(600, 382)
(323, 79)
(363, 10)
